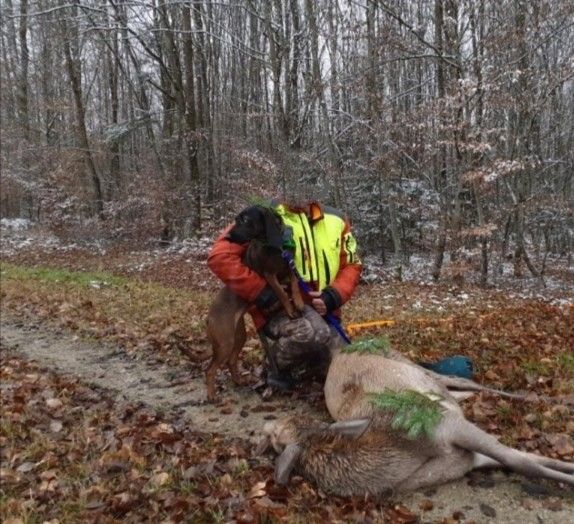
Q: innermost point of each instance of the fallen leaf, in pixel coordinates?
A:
(426, 505)
(191, 473)
(267, 503)
(245, 517)
(25, 467)
(160, 479)
(49, 474)
(400, 514)
(487, 510)
(552, 504)
(563, 444)
(94, 504)
(492, 376)
(258, 490)
(54, 403)
(56, 426)
(226, 480)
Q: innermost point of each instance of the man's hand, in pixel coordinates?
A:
(318, 302)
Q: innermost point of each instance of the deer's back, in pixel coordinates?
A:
(352, 375)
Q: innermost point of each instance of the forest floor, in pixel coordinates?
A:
(104, 417)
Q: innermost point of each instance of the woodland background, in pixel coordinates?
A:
(133, 131)
(441, 127)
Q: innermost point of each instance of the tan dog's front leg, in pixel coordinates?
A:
(281, 295)
(296, 292)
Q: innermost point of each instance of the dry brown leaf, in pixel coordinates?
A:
(426, 505)
(160, 479)
(56, 426)
(258, 490)
(54, 403)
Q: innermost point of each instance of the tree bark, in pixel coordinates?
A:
(75, 77)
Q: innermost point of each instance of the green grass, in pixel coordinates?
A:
(566, 362)
(535, 367)
(46, 274)
(103, 305)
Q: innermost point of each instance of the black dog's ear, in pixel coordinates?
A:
(273, 228)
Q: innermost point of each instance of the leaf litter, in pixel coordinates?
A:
(516, 343)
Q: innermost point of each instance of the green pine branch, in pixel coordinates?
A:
(414, 413)
(372, 346)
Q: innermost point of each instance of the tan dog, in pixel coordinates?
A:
(225, 321)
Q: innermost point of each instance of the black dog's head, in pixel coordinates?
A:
(259, 223)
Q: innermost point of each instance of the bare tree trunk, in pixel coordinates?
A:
(441, 176)
(24, 62)
(477, 28)
(75, 76)
(318, 88)
(203, 96)
(190, 118)
(113, 81)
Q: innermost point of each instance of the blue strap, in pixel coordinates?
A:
(306, 288)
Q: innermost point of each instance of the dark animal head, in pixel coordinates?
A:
(259, 223)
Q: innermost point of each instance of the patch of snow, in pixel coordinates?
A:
(15, 224)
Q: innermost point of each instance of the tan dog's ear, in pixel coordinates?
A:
(286, 462)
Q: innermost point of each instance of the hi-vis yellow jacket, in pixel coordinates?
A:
(325, 257)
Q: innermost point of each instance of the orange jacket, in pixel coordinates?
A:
(225, 260)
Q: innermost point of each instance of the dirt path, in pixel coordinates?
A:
(240, 413)
(482, 497)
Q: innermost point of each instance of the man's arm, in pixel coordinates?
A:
(225, 261)
(347, 279)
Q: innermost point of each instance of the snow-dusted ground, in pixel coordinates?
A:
(550, 288)
(556, 287)
(19, 233)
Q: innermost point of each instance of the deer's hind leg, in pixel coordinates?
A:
(456, 431)
(439, 469)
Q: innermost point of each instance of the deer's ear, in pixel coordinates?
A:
(286, 462)
(351, 428)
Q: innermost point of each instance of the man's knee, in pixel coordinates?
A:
(320, 331)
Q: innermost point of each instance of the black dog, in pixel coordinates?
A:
(264, 231)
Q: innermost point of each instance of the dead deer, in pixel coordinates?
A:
(364, 452)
